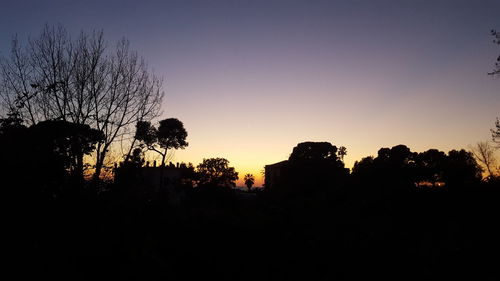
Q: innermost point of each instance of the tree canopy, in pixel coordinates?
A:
(314, 151)
(216, 172)
(170, 134)
(50, 150)
(399, 166)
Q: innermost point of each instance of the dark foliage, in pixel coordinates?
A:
(49, 151)
(249, 181)
(171, 134)
(398, 167)
(314, 151)
(311, 166)
(216, 172)
(350, 231)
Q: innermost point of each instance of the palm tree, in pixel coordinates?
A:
(249, 181)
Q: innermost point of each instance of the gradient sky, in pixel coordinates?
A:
(251, 79)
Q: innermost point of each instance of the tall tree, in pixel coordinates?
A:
(169, 135)
(55, 77)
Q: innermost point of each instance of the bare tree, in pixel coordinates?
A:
(81, 81)
(485, 154)
(131, 95)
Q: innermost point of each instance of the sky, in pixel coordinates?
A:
(252, 79)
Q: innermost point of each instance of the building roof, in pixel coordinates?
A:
(277, 164)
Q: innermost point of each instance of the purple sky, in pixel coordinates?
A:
(251, 79)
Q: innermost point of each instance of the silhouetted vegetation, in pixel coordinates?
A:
(215, 172)
(399, 167)
(169, 135)
(311, 166)
(81, 80)
(50, 150)
(249, 181)
(316, 221)
(399, 215)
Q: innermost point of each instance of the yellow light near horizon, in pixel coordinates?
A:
(259, 178)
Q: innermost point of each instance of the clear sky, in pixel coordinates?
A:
(251, 79)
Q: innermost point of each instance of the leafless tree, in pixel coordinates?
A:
(81, 81)
(485, 154)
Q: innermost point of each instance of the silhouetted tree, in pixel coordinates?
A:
(216, 172)
(312, 167)
(484, 153)
(15, 145)
(56, 77)
(11, 123)
(46, 153)
(66, 143)
(430, 166)
(314, 151)
(342, 152)
(169, 135)
(145, 133)
(396, 165)
(399, 167)
(249, 181)
(461, 168)
(364, 169)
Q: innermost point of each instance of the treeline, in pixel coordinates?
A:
(318, 165)
(399, 166)
(331, 224)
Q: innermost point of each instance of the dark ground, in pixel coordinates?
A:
(335, 234)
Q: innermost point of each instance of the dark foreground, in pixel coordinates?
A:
(348, 233)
